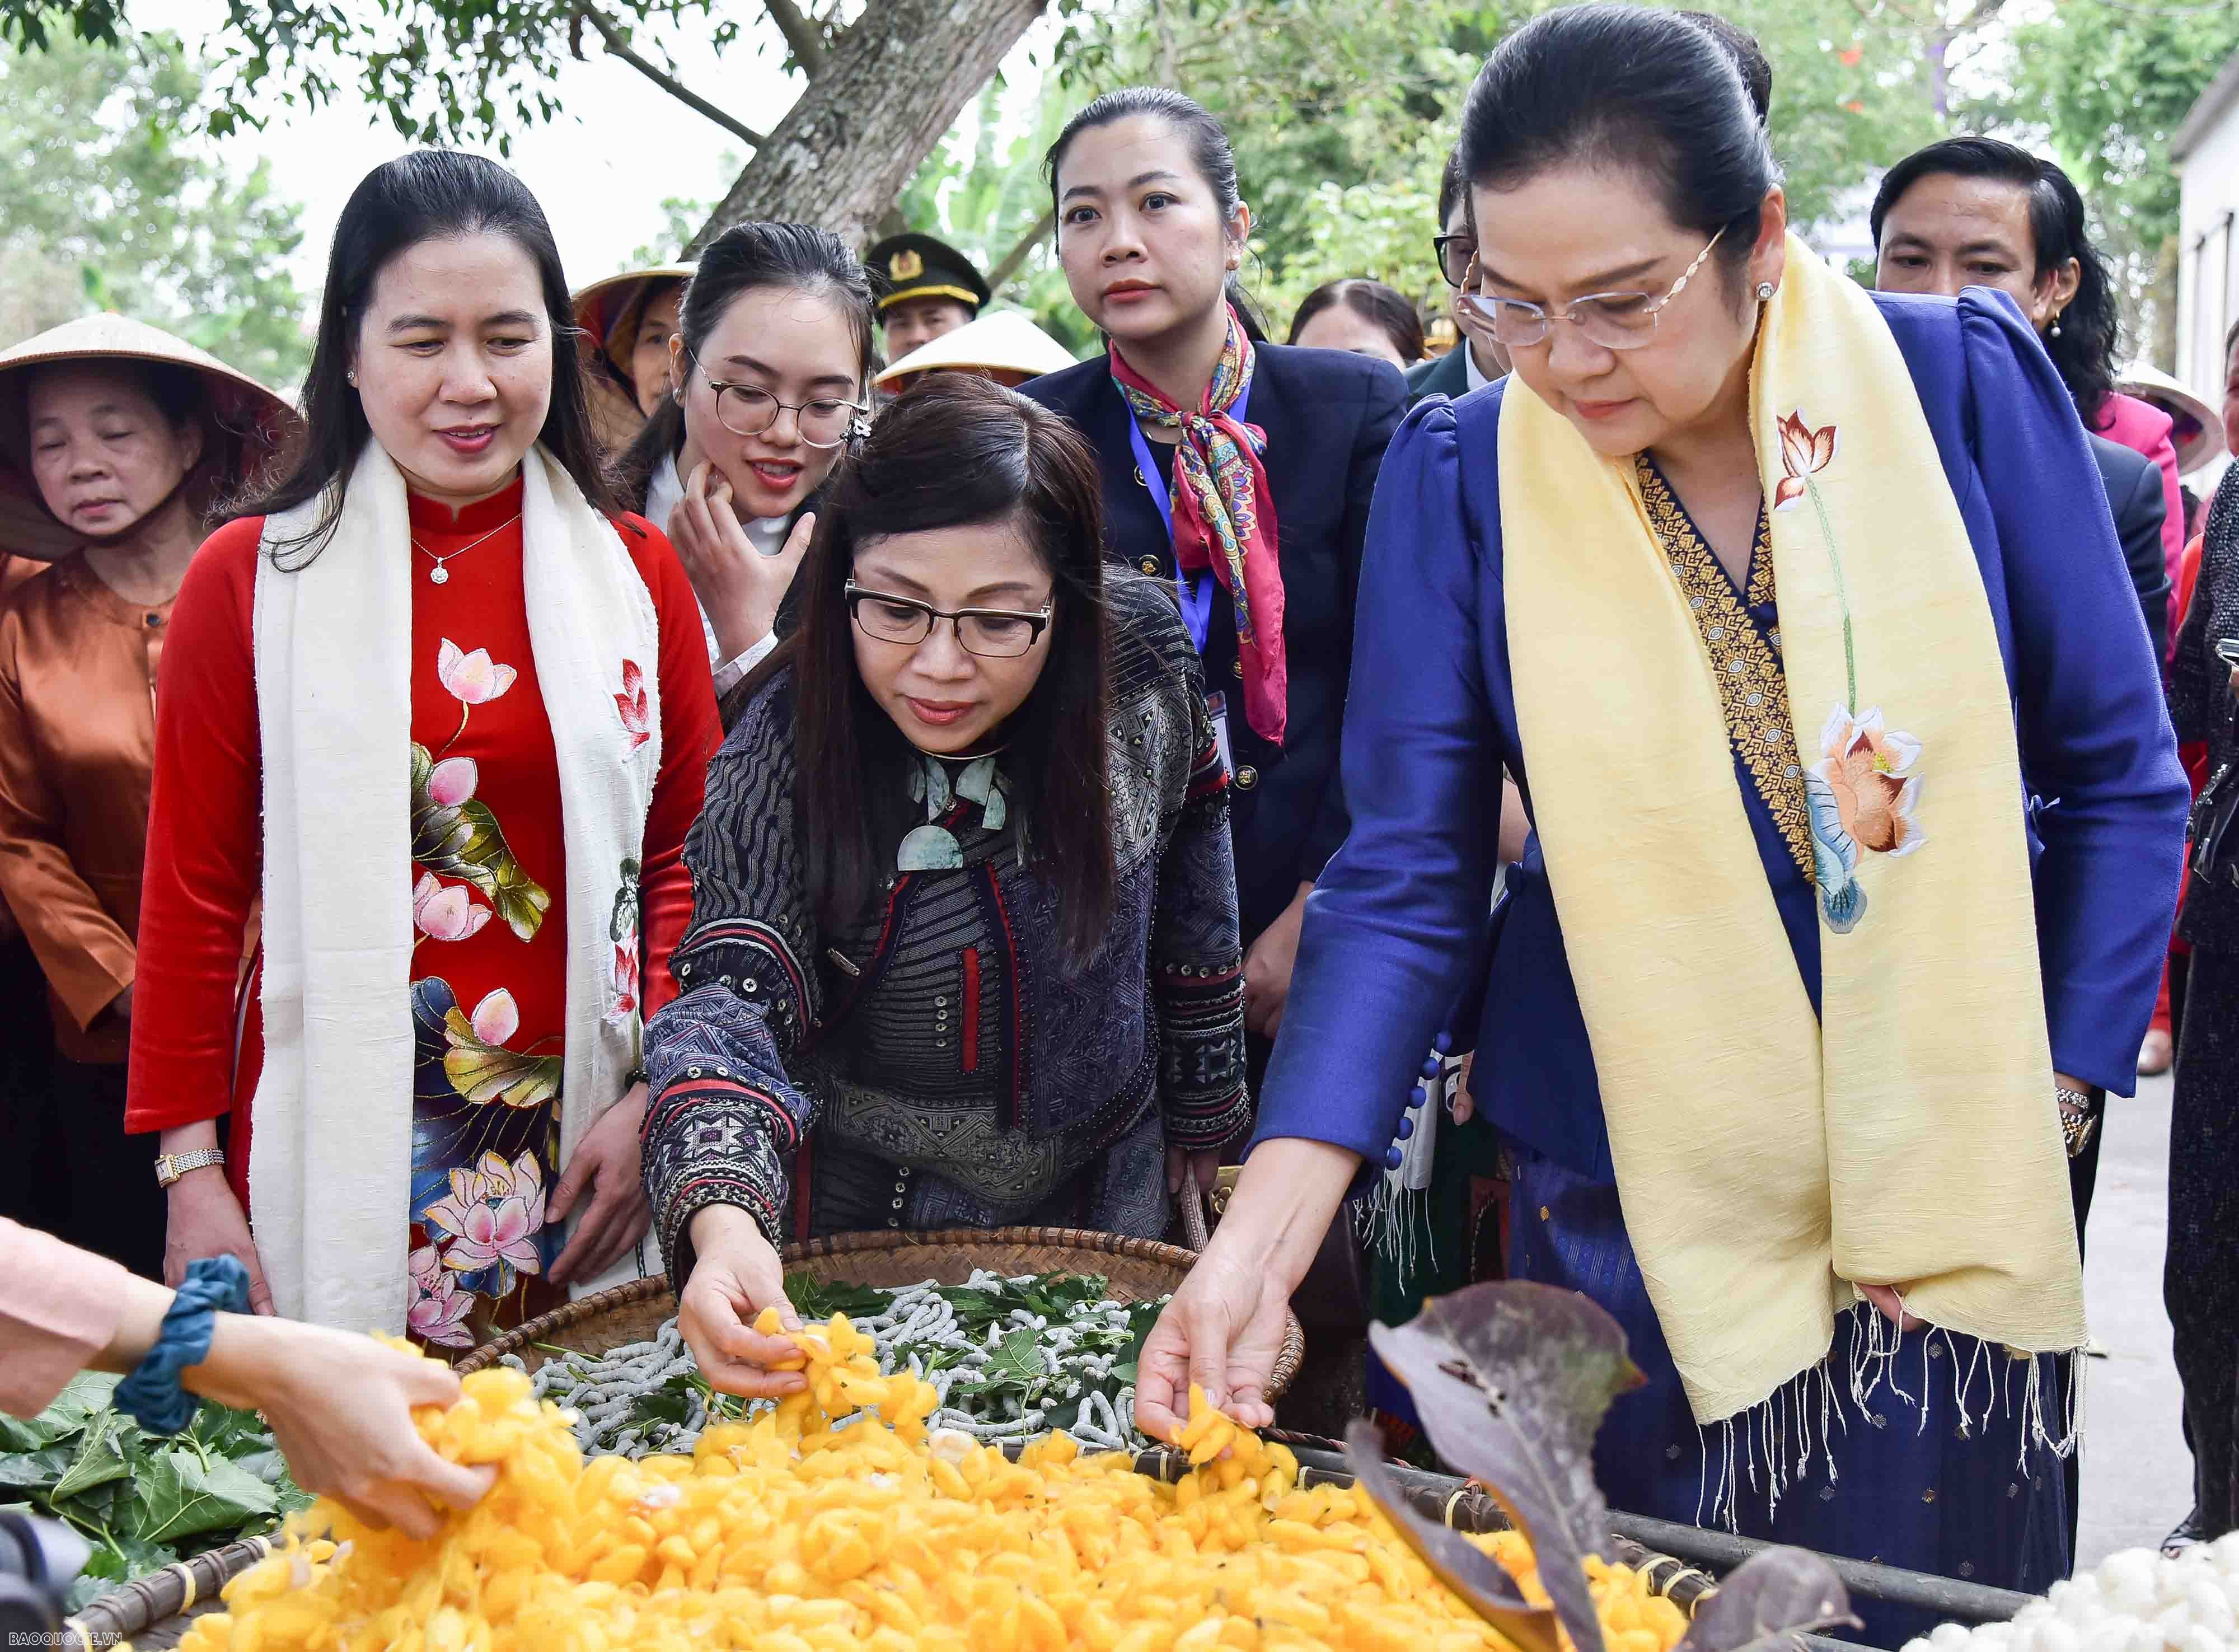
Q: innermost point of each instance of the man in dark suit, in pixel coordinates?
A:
(1476, 359)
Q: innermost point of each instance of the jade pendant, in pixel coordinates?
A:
(929, 848)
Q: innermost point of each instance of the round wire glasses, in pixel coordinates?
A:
(747, 410)
(1610, 320)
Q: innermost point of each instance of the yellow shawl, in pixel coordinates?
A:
(1909, 1135)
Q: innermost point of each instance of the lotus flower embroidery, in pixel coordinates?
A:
(634, 705)
(452, 782)
(1863, 795)
(1803, 453)
(446, 912)
(625, 980)
(492, 1215)
(439, 1307)
(471, 679)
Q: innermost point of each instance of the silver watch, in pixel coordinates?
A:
(170, 1167)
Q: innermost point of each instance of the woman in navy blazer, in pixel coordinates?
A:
(1150, 228)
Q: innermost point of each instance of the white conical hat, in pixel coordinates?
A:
(262, 421)
(2199, 427)
(1003, 339)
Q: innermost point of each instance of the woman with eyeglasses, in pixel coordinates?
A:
(767, 372)
(1795, 613)
(966, 903)
(434, 715)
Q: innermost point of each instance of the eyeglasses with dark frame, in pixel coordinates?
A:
(992, 633)
(749, 410)
(1455, 255)
(1612, 320)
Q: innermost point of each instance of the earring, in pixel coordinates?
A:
(2055, 326)
(1765, 292)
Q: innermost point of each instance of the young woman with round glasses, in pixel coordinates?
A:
(767, 376)
(966, 899)
(1797, 616)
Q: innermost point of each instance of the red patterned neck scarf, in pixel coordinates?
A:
(1224, 516)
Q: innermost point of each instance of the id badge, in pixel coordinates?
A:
(1217, 705)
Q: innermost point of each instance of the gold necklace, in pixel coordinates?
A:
(439, 575)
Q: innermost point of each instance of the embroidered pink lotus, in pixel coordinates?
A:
(446, 912)
(472, 679)
(451, 781)
(634, 705)
(625, 979)
(439, 1307)
(496, 1018)
(492, 1215)
(1803, 452)
(1870, 771)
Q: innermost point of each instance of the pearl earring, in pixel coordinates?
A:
(2055, 326)
(1765, 292)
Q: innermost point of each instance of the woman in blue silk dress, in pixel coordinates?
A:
(1884, 502)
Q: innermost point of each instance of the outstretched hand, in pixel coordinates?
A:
(341, 1407)
(736, 1274)
(1222, 1332)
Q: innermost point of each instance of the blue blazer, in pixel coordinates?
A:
(1328, 415)
(1399, 913)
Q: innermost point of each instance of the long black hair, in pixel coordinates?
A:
(1209, 150)
(1633, 88)
(1388, 309)
(429, 195)
(2091, 327)
(744, 258)
(957, 450)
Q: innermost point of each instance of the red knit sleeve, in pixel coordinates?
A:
(204, 849)
(690, 731)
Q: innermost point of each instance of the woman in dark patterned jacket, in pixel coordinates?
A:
(965, 901)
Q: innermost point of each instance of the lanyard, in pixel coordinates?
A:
(1196, 596)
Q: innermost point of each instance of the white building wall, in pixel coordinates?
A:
(2208, 238)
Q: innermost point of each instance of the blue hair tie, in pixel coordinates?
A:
(152, 1393)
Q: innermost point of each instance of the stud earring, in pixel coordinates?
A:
(1765, 292)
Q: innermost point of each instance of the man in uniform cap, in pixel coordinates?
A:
(931, 289)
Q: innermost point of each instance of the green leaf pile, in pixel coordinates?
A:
(141, 1500)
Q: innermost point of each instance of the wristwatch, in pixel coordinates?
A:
(170, 1167)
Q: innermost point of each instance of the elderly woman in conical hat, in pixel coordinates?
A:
(117, 442)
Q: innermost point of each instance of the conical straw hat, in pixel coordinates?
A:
(2199, 427)
(1004, 339)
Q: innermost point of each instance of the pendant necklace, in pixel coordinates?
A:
(932, 847)
(439, 575)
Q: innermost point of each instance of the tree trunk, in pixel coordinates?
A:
(892, 85)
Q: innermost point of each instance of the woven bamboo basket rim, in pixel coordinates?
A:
(1066, 1248)
(134, 1607)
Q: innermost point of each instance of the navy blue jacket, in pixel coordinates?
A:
(1328, 416)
